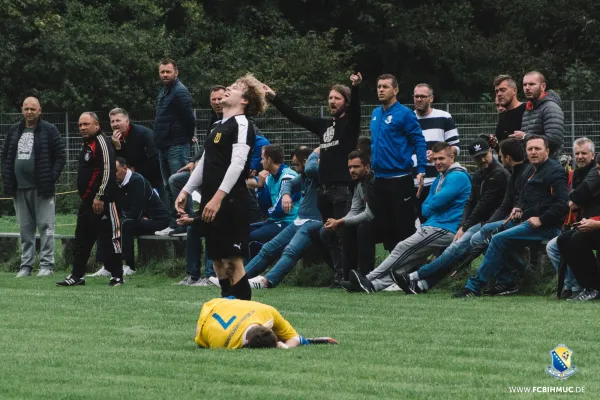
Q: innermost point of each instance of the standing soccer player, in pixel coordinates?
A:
(221, 175)
(97, 218)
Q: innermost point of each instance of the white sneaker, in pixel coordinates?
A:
(127, 270)
(164, 232)
(23, 272)
(258, 282)
(202, 282)
(187, 281)
(45, 272)
(392, 288)
(101, 272)
(214, 281)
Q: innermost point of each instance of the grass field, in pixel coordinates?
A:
(136, 342)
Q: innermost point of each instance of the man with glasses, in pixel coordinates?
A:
(437, 126)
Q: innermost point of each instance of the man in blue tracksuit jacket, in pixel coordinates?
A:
(270, 181)
(443, 209)
(396, 135)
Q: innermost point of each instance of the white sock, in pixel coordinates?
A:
(423, 285)
(414, 276)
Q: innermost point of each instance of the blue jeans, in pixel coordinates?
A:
(554, 256)
(171, 160)
(193, 254)
(482, 237)
(504, 243)
(176, 183)
(292, 241)
(262, 232)
(436, 270)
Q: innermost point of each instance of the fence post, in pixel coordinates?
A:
(322, 112)
(448, 108)
(572, 121)
(67, 142)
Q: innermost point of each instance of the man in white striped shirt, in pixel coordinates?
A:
(437, 126)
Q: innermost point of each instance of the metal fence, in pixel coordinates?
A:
(582, 118)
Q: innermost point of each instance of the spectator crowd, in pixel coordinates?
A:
(401, 186)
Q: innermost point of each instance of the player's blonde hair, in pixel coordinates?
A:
(254, 94)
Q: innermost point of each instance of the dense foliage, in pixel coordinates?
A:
(97, 54)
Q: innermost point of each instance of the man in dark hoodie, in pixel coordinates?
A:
(543, 115)
(489, 186)
(97, 218)
(538, 215)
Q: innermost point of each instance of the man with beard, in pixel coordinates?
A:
(338, 136)
(437, 126)
(510, 119)
(582, 188)
(543, 115)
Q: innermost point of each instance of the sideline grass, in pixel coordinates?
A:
(135, 342)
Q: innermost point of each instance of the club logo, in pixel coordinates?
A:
(477, 147)
(87, 156)
(217, 138)
(562, 363)
(329, 134)
(388, 120)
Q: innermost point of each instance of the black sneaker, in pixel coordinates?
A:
(566, 294)
(501, 290)
(349, 286)
(116, 281)
(586, 295)
(179, 230)
(464, 293)
(362, 281)
(574, 294)
(336, 285)
(71, 281)
(404, 283)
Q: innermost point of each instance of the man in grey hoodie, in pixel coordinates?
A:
(543, 115)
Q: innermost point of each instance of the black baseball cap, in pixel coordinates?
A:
(478, 147)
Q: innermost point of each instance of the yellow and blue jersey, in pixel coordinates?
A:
(223, 322)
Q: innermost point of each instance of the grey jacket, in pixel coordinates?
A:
(546, 119)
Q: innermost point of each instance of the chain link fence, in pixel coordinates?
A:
(582, 118)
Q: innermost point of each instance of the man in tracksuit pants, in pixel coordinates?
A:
(97, 218)
(443, 209)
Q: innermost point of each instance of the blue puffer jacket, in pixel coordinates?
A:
(447, 198)
(174, 123)
(395, 136)
(270, 196)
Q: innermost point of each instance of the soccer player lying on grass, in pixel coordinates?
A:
(233, 324)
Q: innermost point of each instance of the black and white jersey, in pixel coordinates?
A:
(229, 137)
(438, 126)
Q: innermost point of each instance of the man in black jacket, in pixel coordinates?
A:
(577, 245)
(142, 210)
(489, 186)
(33, 157)
(538, 215)
(174, 125)
(338, 136)
(97, 217)
(135, 143)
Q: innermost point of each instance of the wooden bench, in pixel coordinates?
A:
(149, 246)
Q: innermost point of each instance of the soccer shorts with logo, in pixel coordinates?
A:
(227, 234)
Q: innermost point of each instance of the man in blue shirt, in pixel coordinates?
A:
(396, 135)
(443, 209)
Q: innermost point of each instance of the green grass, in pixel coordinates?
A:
(64, 224)
(136, 342)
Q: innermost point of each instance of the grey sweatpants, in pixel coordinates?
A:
(33, 212)
(410, 253)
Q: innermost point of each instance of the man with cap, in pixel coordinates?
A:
(489, 185)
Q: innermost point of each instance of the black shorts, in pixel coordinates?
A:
(227, 235)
